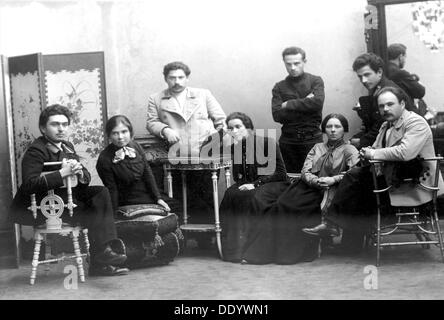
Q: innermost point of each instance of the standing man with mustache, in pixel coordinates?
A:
(185, 118)
(181, 115)
(297, 104)
(370, 70)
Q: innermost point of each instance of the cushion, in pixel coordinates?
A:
(150, 254)
(138, 210)
(145, 228)
(151, 240)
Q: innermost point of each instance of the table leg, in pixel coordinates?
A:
(184, 196)
(18, 250)
(216, 213)
(227, 177)
(169, 183)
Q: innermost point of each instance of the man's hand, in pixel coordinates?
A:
(325, 182)
(171, 135)
(309, 96)
(162, 203)
(71, 167)
(355, 142)
(228, 139)
(76, 167)
(247, 186)
(367, 153)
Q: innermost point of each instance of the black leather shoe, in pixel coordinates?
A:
(322, 230)
(107, 271)
(109, 257)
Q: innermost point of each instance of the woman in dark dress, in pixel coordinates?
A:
(299, 205)
(260, 176)
(124, 170)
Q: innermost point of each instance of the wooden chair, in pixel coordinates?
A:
(423, 224)
(52, 207)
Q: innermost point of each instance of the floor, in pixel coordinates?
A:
(405, 273)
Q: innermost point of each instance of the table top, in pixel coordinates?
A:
(197, 163)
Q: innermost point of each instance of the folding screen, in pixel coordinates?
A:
(75, 80)
(25, 74)
(78, 82)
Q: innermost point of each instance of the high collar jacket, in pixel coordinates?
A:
(40, 151)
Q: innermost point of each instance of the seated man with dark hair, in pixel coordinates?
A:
(94, 209)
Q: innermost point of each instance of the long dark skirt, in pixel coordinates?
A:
(354, 206)
(296, 208)
(247, 225)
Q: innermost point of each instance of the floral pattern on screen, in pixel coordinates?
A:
(80, 91)
(25, 114)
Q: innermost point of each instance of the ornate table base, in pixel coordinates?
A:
(196, 164)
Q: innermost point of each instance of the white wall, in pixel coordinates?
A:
(426, 64)
(232, 47)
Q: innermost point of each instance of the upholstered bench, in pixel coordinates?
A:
(151, 235)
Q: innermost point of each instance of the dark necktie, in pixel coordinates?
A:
(384, 137)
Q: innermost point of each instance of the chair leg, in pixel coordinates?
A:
(438, 230)
(48, 252)
(79, 260)
(17, 238)
(86, 239)
(35, 259)
(378, 238)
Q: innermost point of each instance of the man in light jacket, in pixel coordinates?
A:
(404, 136)
(185, 117)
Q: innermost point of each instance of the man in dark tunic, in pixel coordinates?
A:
(370, 70)
(94, 209)
(297, 104)
(397, 55)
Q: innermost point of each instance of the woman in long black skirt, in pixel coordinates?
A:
(260, 176)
